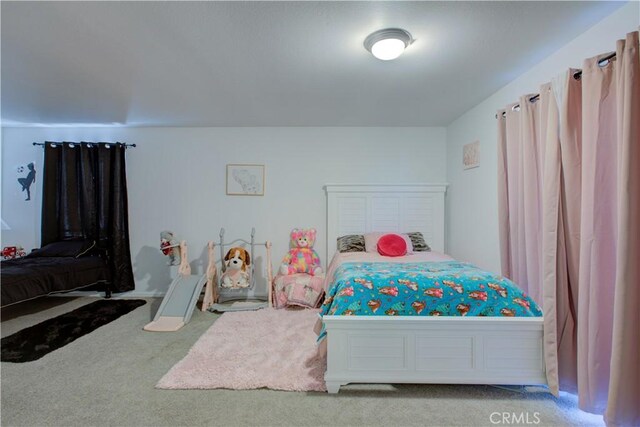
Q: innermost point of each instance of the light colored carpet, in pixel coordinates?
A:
(268, 348)
(107, 378)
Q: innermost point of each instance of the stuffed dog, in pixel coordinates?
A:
(236, 276)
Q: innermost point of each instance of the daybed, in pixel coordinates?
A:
(57, 267)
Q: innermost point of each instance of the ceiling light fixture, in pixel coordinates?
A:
(388, 44)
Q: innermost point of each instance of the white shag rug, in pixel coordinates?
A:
(268, 348)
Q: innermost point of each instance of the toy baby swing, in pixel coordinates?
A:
(238, 280)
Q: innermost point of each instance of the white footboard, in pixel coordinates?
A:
(440, 350)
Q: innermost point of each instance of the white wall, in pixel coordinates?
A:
(472, 196)
(176, 181)
(22, 216)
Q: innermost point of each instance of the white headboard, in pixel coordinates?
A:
(363, 208)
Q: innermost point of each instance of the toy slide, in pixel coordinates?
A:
(181, 298)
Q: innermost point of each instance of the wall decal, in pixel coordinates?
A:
(26, 177)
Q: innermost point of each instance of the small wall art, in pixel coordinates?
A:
(245, 180)
(471, 155)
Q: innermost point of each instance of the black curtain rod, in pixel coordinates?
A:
(42, 144)
(577, 75)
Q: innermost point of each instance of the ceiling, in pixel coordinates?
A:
(269, 63)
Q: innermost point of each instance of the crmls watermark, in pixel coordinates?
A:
(510, 418)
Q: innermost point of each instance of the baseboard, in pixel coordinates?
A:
(142, 294)
(129, 294)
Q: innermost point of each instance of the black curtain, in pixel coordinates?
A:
(85, 197)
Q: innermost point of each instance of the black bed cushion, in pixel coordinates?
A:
(417, 240)
(351, 243)
(66, 248)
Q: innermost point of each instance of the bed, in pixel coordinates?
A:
(397, 344)
(57, 267)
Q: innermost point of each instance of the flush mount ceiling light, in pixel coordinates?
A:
(388, 44)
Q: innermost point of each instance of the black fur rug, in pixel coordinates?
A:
(36, 341)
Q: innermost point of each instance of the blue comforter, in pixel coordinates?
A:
(449, 288)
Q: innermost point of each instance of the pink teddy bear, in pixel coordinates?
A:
(301, 257)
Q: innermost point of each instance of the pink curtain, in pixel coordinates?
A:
(530, 129)
(515, 189)
(598, 229)
(567, 284)
(624, 386)
(570, 182)
(552, 235)
(503, 197)
(520, 159)
(559, 323)
(561, 229)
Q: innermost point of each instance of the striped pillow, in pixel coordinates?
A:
(351, 243)
(417, 240)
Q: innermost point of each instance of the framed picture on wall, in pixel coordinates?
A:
(245, 180)
(471, 155)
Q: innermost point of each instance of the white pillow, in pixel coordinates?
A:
(371, 241)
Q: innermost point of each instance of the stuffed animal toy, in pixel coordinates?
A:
(170, 247)
(236, 275)
(302, 258)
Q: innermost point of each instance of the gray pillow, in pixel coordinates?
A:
(351, 243)
(417, 240)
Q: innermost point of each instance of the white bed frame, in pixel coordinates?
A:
(408, 349)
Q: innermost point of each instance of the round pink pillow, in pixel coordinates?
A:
(392, 245)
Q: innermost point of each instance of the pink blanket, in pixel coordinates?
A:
(298, 289)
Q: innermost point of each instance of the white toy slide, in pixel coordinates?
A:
(181, 298)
